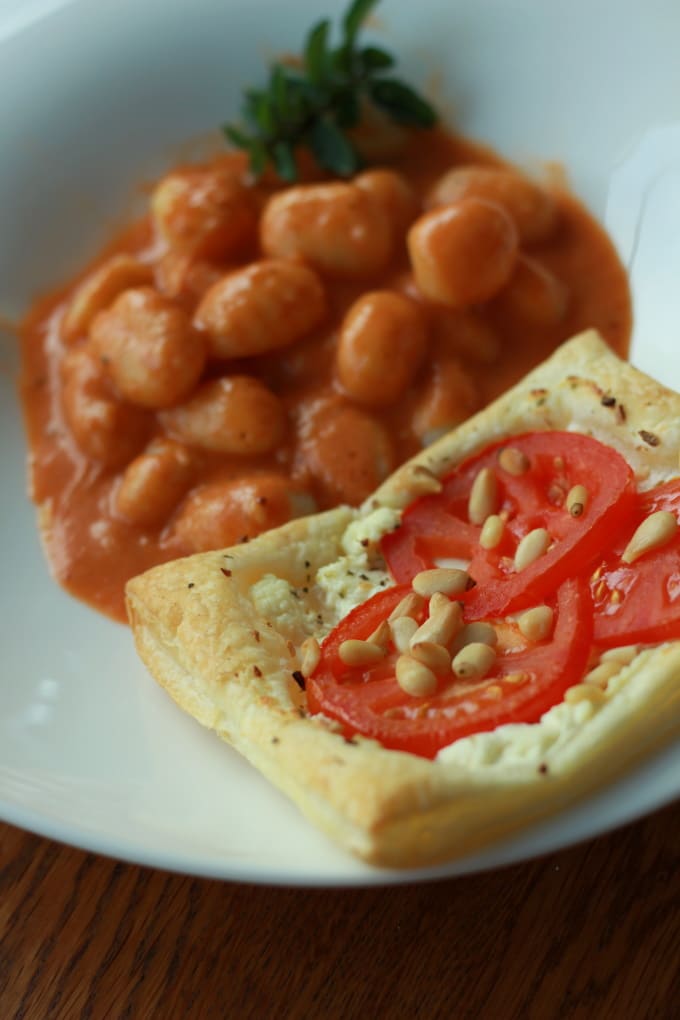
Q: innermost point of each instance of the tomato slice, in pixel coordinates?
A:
(639, 603)
(436, 527)
(522, 685)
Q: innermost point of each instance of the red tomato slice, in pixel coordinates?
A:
(436, 527)
(639, 603)
(521, 687)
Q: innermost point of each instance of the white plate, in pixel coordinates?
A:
(94, 98)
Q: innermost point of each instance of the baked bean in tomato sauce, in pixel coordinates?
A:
(247, 353)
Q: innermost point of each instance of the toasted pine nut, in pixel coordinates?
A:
(483, 496)
(403, 629)
(473, 661)
(600, 676)
(441, 579)
(655, 531)
(435, 657)
(381, 635)
(583, 692)
(414, 677)
(514, 461)
(360, 653)
(492, 532)
(624, 655)
(577, 500)
(311, 655)
(532, 546)
(475, 633)
(410, 605)
(536, 624)
(442, 627)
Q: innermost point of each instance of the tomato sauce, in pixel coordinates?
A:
(93, 549)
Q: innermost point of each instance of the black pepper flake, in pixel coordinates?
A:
(319, 618)
(294, 593)
(305, 591)
(364, 577)
(275, 740)
(227, 573)
(621, 411)
(608, 401)
(649, 437)
(256, 635)
(299, 680)
(350, 573)
(307, 564)
(364, 542)
(352, 741)
(257, 671)
(244, 538)
(227, 556)
(190, 584)
(543, 768)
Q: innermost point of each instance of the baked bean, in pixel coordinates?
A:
(346, 450)
(184, 278)
(103, 427)
(98, 290)
(532, 208)
(464, 253)
(268, 305)
(532, 296)
(207, 213)
(337, 228)
(382, 343)
(464, 334)
(150, 350)
(396, 196)
(235, 414)
(153, 483)
(448, 398)
(225, 512)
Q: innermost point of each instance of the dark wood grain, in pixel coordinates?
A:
(591, 932)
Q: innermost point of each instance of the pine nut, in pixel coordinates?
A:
(492, 532)
(655, 531)
(381, 635)
(532, 546)
(422, 481)
(474, 661)
(602, 674)
(403, 629)
(360, 653)
(435, 657)
(475, 633)
(414, 677)
(583, 692)
(410, 605)
(437, 602)
(537, 623)
(441, 579)
(311, 656)
(514, 461)
(577, 500)
(624, 655)
(483, 496)
(442, 627)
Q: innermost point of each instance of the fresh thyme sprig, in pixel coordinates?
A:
(316, 105)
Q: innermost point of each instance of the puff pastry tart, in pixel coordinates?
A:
(491, 636)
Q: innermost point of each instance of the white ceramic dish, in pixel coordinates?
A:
(96, 97)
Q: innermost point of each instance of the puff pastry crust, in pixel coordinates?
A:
(229, 661)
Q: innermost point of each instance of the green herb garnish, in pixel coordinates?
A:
(316, 105)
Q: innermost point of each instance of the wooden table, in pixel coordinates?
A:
(592, 932)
